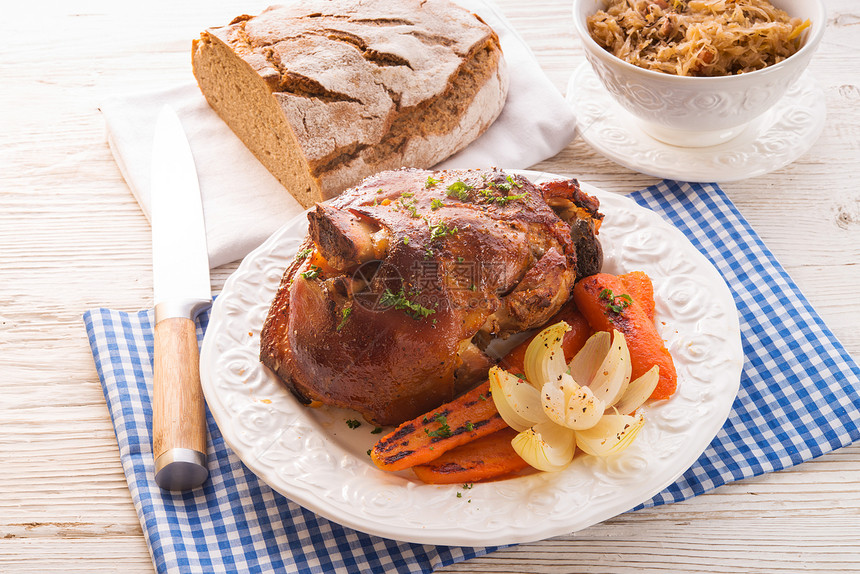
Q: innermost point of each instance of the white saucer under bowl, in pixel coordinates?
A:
(774, 140)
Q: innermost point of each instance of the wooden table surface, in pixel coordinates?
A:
(73, 238)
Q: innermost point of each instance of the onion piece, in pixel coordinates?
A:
(516, 400)
(611, 435)
(638, 391)
(613, 376)
(568, 404)
(546, 446)
(586, 362)
(544, 359)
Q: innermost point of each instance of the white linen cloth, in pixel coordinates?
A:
(243, 203)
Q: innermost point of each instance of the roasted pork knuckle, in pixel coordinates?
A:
(403, 280)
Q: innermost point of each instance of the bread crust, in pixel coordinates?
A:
(327, 92)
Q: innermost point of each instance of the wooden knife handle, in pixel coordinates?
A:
(178, 412)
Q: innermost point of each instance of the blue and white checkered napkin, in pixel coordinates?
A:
(798, 399)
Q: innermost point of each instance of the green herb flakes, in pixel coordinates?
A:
(407, 202)
(488, 196)
(401, 302)
(444, 431)
(353, 424)
(459, 190)
(344, 315)
(440, 230)
(615, 303)
(312, 273)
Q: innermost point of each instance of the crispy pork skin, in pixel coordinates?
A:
(401, 276)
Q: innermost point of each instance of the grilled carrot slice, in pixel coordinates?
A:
(640, 288)
(604, 301)
(573, 340)
(488, 457)
(425, 438)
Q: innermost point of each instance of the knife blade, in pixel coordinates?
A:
(180, 270)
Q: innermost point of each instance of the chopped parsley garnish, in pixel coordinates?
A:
(469, 426)
(407, 202)
(303, 253)
(353, 424)
(377, 430)
(312, 273)
(400, 302)
(459, 190)
(431, 181)
(405, 240)
(444, 431)
(506, 186)
(436, 204)
(344, 314)
(500, 186)
(441, 230)
(615, 303)
(465, 486)
(488, 196)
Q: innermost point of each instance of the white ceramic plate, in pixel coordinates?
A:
(772, 141)
(312, 457)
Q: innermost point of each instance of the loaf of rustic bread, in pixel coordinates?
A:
(327, 92)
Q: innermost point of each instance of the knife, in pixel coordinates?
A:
(180, 270)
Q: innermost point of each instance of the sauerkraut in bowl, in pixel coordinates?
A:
(697, 72)
(698, 37)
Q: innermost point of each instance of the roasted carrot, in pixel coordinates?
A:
(640, 288)
(488, 457)
(604, 301)
(573, 340)
(425, 438)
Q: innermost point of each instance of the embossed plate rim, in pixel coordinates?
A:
(309, 455)
(747, 155)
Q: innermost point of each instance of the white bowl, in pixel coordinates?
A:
(699, 111)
